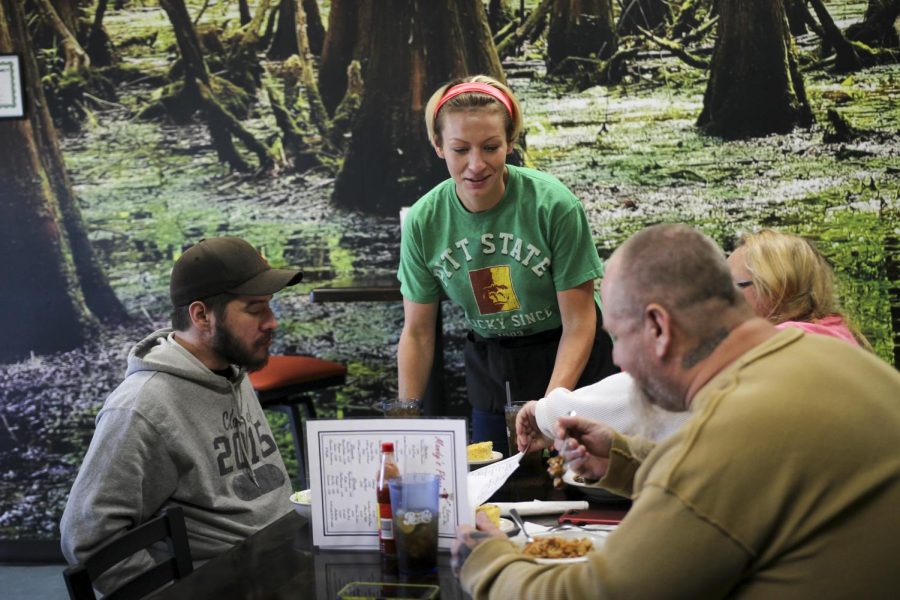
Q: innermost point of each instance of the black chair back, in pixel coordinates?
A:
(168, 526)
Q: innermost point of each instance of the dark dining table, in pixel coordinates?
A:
(280, 560)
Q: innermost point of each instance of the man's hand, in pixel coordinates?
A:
(527, 430)
(585, 445)
(467, 538)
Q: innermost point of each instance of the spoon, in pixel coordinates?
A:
(517, 519)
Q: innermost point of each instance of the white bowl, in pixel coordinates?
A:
(302, 503)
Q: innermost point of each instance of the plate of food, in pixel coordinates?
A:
(482, 453)
(561, 547)
(597, 494)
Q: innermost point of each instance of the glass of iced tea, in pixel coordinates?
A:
(532, 460)
(415, 504)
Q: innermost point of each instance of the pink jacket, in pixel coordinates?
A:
(833, 326)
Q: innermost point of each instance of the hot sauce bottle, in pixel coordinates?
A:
(386, 471)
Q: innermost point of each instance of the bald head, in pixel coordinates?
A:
(676, 267)
(669, 301)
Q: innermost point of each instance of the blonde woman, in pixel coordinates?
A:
(787, 281)
(513, 248)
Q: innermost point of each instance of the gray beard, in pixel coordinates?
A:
(652, 419)
(655, 391)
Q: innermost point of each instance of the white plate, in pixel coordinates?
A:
(506, 525)
(597, 537)
(495, 456)
(597, 494)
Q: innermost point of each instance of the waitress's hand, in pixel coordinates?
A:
(527, 430)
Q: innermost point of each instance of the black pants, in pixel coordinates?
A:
(527, 364)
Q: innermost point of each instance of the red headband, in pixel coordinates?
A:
(480, 88)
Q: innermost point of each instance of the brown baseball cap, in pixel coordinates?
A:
(225, 264)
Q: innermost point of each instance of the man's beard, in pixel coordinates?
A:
(652, 418)
(236, 352)
(656, 390)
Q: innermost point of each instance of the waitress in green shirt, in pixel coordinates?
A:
(513, 248)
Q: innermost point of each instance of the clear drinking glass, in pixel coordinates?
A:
(402, 409)
(532, 460)
(415, 504)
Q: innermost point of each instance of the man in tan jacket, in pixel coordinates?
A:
(785, 481)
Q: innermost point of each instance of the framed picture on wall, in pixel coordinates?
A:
(12, 96)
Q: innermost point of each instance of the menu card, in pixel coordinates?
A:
(344, 457)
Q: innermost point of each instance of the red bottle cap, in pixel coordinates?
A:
(387, 446)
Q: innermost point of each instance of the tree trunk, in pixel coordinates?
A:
(500, 14)
(582, 28)
(416, 46)
(99, 46)
(244, 12)
(798, 16)
(317, 112)
(847, 59)
(690, 16)
(315, 32)
(302, 153)
(754, 87)
(76, 58)
(41, 308)
(530, 29)
(98, 294)
(879, 25)
(194, 71)
(349, 32)
(346, 111)
(649, 14)
(69, 11)
(892, 267)
(284, 42)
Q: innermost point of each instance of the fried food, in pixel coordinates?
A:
(558, 547)
(556, 469)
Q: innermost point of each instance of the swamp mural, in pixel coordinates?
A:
(297, 125)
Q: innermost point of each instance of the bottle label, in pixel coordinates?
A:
(386, 529)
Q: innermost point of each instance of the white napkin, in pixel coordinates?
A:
(540, 507)
(534, 528)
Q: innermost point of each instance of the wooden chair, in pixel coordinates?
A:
(284, 385)
(168, 526)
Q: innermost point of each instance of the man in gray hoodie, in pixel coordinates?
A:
(185, 427)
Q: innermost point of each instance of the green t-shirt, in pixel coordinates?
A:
(505, 265)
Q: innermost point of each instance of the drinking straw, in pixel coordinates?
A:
(508, 394)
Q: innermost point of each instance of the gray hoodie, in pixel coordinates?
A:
(175, 434)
